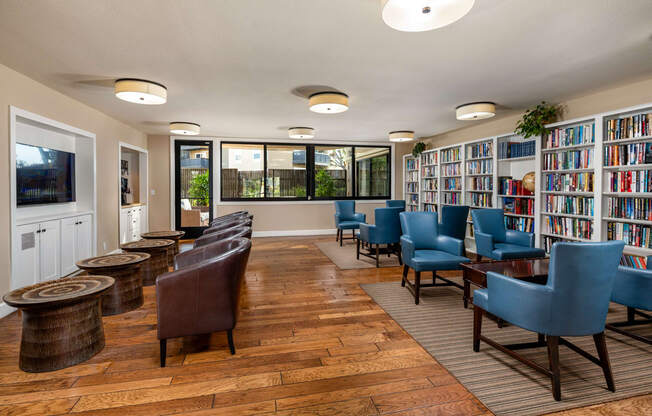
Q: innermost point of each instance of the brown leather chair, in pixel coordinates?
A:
(228, 224)
(229, 218)
(232, 232)
(202, 295)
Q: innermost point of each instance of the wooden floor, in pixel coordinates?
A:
(309, 341)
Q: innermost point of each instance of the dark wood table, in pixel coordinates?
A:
(530, 270)
(168, 235)
(158, 262)
(62, 323)
(127, 292)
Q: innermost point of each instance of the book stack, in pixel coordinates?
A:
(429, 171)
(570, 136)
(548, 242)
(481, 183)
(568, 182)
(574, 205)
(429, 158)
(479, 150)
(629, 181)
(451, 170)
(450, 155)
(518, 206)
(629, 127)
(480, 200)
(412, 176)
(630, 208)
(569, 227)
(477, 167)
(632, 234)
(509, 186)
(451, 198)
(411, 164)
(520, 224)
(570, 159)
(512, 150)
(411, 187)
(628, 154)
(637, 262)
(452, 184)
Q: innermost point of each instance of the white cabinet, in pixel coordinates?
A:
(133, 222)
(26, 265)
(49, 250)
(39, 252)
(76, 242)
(84, 237)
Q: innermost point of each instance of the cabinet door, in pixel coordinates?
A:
(130, 225)
(68, 245)
(26, 270)
(136, 222)
(84, 237)
(50, 249)
(124, 225)
(144, 225)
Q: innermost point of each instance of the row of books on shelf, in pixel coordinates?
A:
(430, 184)
(637, 262)
(429, 158)
(520, 224)
(570, 136)
(628, 154)
(451, 198)
(481, 183)
(479, 150)
(569, 159)
(629, 127)
(476, 167)
(429, 171)
(411, 164)
(412, 176)
(480, 200)
(430, 197)
(452, 184)
(430, 208)
(632, 234)
(568, 227)
(412, 199)
(518, 206)
(454, 169)
(412, 208)
(568, 182)
(629, 181)
(450, 155)
(411, 187)
(548, 241)
(575, 205)
(509, 186)
(511, 150)
(630, 208)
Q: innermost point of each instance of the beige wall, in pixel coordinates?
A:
(158, 152)
(27, 94)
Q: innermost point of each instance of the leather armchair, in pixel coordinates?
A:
(494, 241)
(633, 289)
(395, 203)
(232, 232)
(347, 219)
(244, 222)
(227, 218)
(424, 248)
(574, 302)
(453, 221)
(387, 231)
(202, 295)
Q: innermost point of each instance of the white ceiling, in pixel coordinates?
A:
(239, 67)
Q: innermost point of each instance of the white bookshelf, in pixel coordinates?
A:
(411, 182)
(429, 180)
(479, 182)
(451, 163)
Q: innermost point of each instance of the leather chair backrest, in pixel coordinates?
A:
(453, 221)
(237, 231)
(345, 209)
(227, 224)
(395, 203)
(388, 223)
(229, 218)
(581, 278)
(490, 221)
(420, 227)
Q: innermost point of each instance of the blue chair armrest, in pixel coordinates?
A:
(407, 249)
(632, 287)
(522, 303)
(358, 216)
(337, 220)
(484, 244)
(450, 245)
(520, 238)
(367, 232)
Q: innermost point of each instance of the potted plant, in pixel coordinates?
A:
(418, 148)
(534, 120)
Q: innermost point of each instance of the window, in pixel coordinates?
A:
(257, 171)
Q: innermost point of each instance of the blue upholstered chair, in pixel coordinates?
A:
(453, 221)
(574, 302)
(633, 289)
(494, 241)
(387, 231)
(424, 248)
(347, 219)
(395, 203)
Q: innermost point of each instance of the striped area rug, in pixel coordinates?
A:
(507, 387)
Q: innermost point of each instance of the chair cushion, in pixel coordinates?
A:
(481, 298)
(348, 225)
(426, 260)
(505, 251)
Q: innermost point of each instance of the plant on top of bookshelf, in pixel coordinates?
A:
(418, 148)
(534, 120)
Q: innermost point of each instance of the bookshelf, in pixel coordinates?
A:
(429, 180)
(479, 178)
(451, 175)
(411, 182)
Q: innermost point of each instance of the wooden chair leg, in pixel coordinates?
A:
(405, 273)
(400, 258)
(357, 250)
(417, 286)
(337, 234)
(377, 255)
(631, 314)
(601, 346)
(553, 357)
(477, 327)
(163, 344)
(434, 277)
(341, 237)
(229, 335)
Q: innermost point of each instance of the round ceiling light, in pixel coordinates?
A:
(475, 111)
(401, 136)
(186, 129)
(423, 15)
(140, 91)
(329, 102)
(301, 132)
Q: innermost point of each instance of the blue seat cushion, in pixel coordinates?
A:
(505, 251)
(349, 225)
(481, 298)
(426, 260)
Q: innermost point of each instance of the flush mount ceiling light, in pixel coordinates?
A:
(401, 136)
(186, 129)
(423, 15)
(329, 102)
(475, 111)
(140, 91)
(301, 132)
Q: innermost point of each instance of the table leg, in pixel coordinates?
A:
(467, 289)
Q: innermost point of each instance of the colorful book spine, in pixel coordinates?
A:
(450, 155)
(480, 200)
(451, 170)
(575, 205)
(629, 208)
(632, 234)
(629, 127)
(509, 186)
(476, 167)
(628, 154)
(570, 159)
(429, 171)
(430, 184)
(411, 187)
(411, 164)
(570, 136)
(568, 182)
(451, 198)
(637, 262)
(629, 181)
(478, 150)
(569, 227)
(429, 158)
(481, 183)
(429, 197)
(520, 224)
(512, 150)
(452, 184)
(518, 206)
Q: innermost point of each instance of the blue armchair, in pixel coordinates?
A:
(633, 289)
(574, 302)
(387, 231)
(395, 203)
(347, 219)
(494, 241)
(453, 221)
(424, 248)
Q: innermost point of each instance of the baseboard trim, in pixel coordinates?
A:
(293, 233)
(5, 309)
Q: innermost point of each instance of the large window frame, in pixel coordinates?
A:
(310, 172)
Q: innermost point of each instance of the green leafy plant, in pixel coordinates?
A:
(200, 189)
(324, 184)
(534, 120)
(418, 148)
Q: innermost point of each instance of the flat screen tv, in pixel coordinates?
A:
(44, 176)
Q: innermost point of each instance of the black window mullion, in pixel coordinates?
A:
(354, 191)
(264, 171)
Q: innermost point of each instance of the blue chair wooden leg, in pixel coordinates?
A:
(405, 273)
(553, 357)
(377, 255)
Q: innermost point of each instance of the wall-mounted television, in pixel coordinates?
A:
(44, 176)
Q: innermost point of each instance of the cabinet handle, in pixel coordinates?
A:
(43, 231)
(38, 231)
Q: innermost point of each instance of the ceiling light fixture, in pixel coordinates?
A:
(423, 15)
(329, 102)
(475, 111)
(140, 91)
(401, 136)
(184, 128)
(301, 132)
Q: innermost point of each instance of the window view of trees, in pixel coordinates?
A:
(333, 171)
(242, 171)
(372, 171)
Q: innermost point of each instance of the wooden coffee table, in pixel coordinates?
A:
(530, 270)
(127, 292)
(168, 235)
(158, 263)
(62, 323)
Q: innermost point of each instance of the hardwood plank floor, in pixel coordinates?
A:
(309, 341)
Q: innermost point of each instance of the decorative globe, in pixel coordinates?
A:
(528, 181)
